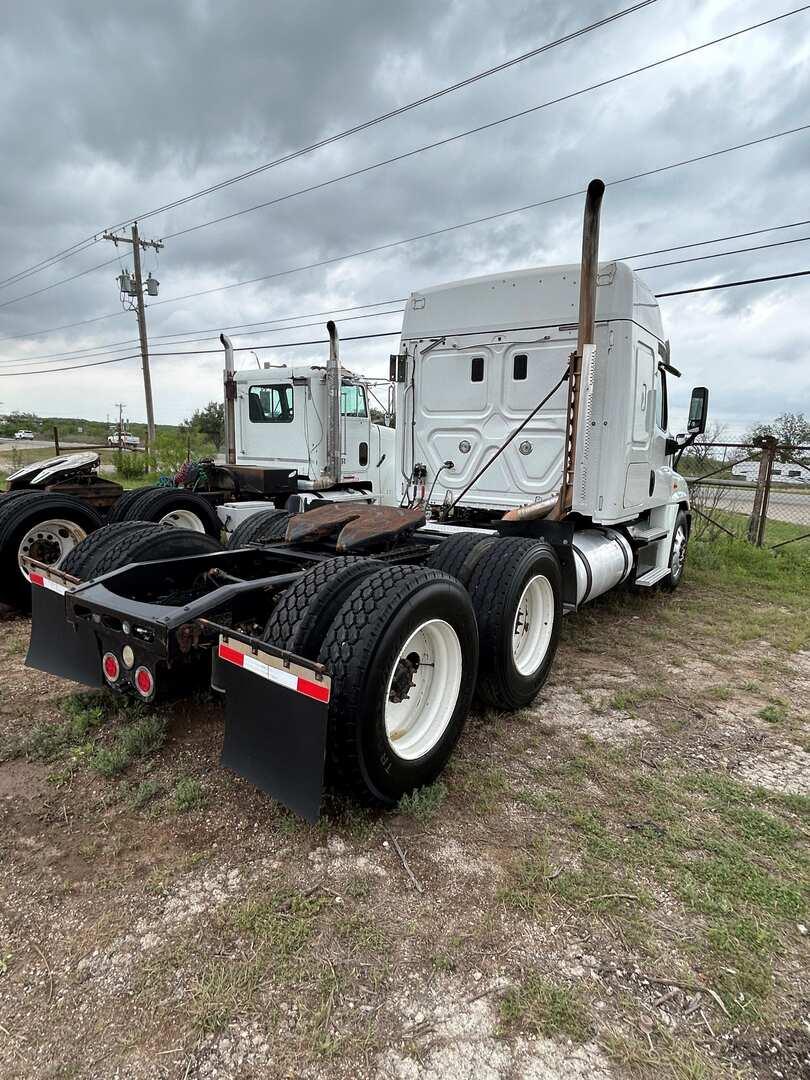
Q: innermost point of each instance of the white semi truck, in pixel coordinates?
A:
(277, 448)
(533, 472)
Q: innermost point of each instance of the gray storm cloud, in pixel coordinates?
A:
(89, 139)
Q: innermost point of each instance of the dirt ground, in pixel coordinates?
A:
(611, 884)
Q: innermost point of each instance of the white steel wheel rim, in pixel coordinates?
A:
(533, 626)
(678, 553)
(183, 519)
(49, 541)
(423, 689)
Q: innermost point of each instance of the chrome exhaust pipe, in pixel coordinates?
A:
(332, 471)
(229, 383)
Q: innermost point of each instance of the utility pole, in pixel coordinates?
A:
(133, 286)
(120, 406)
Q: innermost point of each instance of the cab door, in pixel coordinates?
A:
(640, 475)
(355, 432)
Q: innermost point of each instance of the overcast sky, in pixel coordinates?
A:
(108, 111)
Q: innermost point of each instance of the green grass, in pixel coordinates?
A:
(662, 1055)
(144, 793)
(730, 855)
(774, 713)
(83, 713)
(138, 739)
(224, 988)
(423, 803)
(544, 1008)
(189, 794)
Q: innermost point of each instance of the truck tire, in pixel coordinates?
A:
(123, 509)
(265, 525)
(516, 591)
(180, 509)
(45, 526)
(677, 553)
(81, 561)
(393, 722)
(305, 611)
(459, 555)
(154, 541)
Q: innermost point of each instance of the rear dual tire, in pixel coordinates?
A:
(169, 506)
(401, 648)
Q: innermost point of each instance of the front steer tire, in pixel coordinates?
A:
(384, 615)
(514, 578)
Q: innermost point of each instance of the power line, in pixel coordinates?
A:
(392, 333)
(98, 350)
(435, 232)
(734, 284)
(246, 329)
(399, 111)
(720, 254)
(433, 145)
(480, 220)
(329, 140)
(482, 127)
(64, 326)
(716, 240)
(62, 281)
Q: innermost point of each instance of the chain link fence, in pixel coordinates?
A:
(755, 491)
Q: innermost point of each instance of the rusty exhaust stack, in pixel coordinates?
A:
(586, 332)
(230, 397)
(333, 383)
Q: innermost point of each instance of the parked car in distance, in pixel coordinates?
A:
(23, 435)
(123, 438)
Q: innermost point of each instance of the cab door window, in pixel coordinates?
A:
(353, 401)
(270, 404)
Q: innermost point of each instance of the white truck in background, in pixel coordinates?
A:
(534, 472)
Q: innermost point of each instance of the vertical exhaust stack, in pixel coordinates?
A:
(559, 506)
(586, 334)
(333, 385)
(230, 397)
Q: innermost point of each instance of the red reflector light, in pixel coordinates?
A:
(111, 667)
(144, 682)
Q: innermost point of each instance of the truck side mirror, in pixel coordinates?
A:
(698, 410)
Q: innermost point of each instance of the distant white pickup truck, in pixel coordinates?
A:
(23, 435)
(123, 438)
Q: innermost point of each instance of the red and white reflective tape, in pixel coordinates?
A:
(317, 690)
(46, 583)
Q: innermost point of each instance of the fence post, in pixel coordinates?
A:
(56, 439)
(759, 511)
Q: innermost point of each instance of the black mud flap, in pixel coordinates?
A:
(58, 647)
(275, 725)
